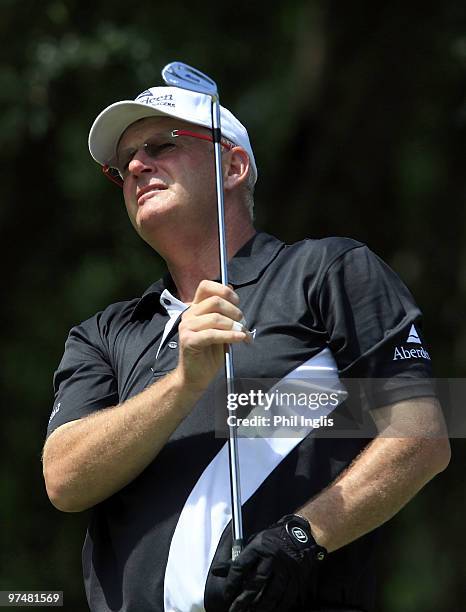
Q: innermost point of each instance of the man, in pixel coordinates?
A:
(131, 434)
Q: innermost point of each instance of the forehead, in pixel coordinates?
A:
(151, 126)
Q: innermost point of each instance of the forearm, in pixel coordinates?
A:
(88, 460)
(387, 474)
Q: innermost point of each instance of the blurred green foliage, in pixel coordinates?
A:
(357, 116)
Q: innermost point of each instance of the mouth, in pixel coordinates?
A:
(148, 191)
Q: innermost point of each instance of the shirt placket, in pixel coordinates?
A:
(167, 352)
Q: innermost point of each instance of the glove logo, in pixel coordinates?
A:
(299, 534)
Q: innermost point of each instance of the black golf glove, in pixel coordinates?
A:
(274, 569)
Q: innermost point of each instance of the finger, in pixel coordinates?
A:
(254, 584)
(207, 288)
(209, 337)
(248, 595)
(215, 304)
(221, 569)
(241, 570)
(278, 588)
(285, 600)
(212, 321)
(254, 578)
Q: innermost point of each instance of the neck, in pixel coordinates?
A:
(203, 262)
(193, 255)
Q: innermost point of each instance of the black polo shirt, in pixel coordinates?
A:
(333, 302)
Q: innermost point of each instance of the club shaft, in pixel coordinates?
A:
(181, 75)
(233, 455)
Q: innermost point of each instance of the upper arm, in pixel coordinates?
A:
(85, 380)
(420, 423)
(417, 417)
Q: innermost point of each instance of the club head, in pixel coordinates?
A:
(181, 75)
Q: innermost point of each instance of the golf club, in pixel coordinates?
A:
(181, 75)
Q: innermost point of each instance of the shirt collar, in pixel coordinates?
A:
(149, 302)
(245, 267)
(253, 258)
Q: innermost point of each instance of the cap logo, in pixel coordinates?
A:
(147, 98)
(299, 534)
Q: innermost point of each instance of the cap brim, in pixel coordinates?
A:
(107, 129)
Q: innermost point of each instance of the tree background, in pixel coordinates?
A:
(357, 115)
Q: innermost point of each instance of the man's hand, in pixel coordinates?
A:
(274, 569)
(212, 321)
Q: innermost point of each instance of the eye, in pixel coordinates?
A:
(154, 149)
(123, 160)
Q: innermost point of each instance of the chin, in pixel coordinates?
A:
(152, 211)
(151, 222)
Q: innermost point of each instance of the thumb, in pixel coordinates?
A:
(221, 569)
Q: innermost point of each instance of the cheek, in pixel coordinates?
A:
(129, 195)
(130, 205)
(202, 173)
(126, 191)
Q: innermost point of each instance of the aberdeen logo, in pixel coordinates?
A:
(413, 336)
(413, 353)
(144, 94)
(402, 353)
(147, 97)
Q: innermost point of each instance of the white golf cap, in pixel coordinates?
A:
(189, 106)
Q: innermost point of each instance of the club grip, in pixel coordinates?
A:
(236, 548)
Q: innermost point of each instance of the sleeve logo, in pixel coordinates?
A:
(413, 336)
(411, 353)
(55, 410)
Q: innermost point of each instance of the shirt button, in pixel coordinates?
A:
(172, 345)
(166, 301)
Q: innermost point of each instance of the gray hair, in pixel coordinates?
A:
(249, 193)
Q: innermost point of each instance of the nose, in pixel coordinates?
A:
(140, 163)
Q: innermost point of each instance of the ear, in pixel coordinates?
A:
(235, 168)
